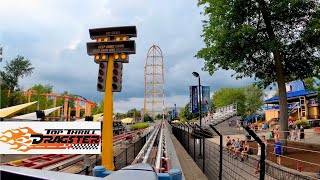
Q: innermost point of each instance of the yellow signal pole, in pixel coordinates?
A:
(107, 134)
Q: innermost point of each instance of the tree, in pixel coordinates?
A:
(1, 51)
(17, 68)
(227, 96)
(133, 113)
(147, 118)
(98, 109)
(254, 99)
(310, 83)
(272, 41)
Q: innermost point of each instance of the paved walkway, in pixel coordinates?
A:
(190, 169)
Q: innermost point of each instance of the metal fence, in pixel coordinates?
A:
(217, 163)
(127, 156)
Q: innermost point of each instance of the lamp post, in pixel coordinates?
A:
(175, 111)
(195, 74)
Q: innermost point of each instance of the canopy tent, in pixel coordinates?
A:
(97, 117)
(33, 116)
(127, 120)
(14, 109)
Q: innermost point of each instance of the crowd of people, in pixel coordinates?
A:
(241, 149)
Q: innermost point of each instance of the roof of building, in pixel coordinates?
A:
(292, 95)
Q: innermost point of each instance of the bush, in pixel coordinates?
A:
(303, 123)
(139, 126)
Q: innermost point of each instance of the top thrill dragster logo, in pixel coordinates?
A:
(72, 136)
(25, 139)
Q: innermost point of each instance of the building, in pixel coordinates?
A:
(302, 103)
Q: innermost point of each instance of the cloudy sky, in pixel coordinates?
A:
(53, 35)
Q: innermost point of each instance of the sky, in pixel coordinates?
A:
(53, 35)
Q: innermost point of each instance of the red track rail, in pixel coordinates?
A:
(39, 162)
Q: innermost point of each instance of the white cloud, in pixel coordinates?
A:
(53, 35)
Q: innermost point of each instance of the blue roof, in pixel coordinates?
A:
(294, 94)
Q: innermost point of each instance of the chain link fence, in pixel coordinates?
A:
(217, 163)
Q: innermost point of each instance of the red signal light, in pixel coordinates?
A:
(116, 65)
(101, 65)
(100, 79)
(101, 72)
(115, 72)
(115, 79)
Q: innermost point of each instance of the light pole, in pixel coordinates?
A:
(195, 74)
(175, 111)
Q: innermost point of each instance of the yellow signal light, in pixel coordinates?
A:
(103, 57)
(97, 57)
(99, 39)
(123, 56)
(116, 56)
(124, 38)
(105, 39)
(118, 38)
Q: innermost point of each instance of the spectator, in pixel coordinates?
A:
(245, 150)
(263, 139)
(228, 144)
(276, 133)
(277, 150)
(236, 146)
(240, 149)
(295, 133)
(301, 133)
(232, 146)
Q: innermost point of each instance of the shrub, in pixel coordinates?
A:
(303, 123)
(139, 126)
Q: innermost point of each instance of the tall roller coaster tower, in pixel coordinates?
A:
(154, 82)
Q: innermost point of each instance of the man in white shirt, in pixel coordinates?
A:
(263, 139)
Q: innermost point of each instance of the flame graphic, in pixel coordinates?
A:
(19, 138)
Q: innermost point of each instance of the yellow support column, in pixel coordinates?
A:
(107, 134)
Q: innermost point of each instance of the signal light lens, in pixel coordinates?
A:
(115, 79)
(97, 57)
(104, 57)
(116, 56)
(99, 86)
(115, 72)
(117, 38)
(102, 66)
(105, 39)
(123, 56)
(100, 79)
(101, 72)
(124, 38)
(99, 39)
(114, 86)
(116, 65)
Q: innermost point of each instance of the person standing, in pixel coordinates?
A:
(263, 139)
(295, 133)
(301, 133)
(277, 150)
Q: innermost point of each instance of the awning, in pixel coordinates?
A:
(33, 116)
(14, 109)
(292, 96)
(127, 120)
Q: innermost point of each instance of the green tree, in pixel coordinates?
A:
(133, 113)
(310, 83)
(147, 118)
(272, 41)
(98, 109)
(1, 51)
(39, 96)
(254, 99)
(17, 68)
(227, 96)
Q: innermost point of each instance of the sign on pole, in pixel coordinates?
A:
(205, 98)
(194, 99)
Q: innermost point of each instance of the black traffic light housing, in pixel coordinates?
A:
(117, 77)
(102, 75)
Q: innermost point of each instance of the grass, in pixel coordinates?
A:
(139, 126)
